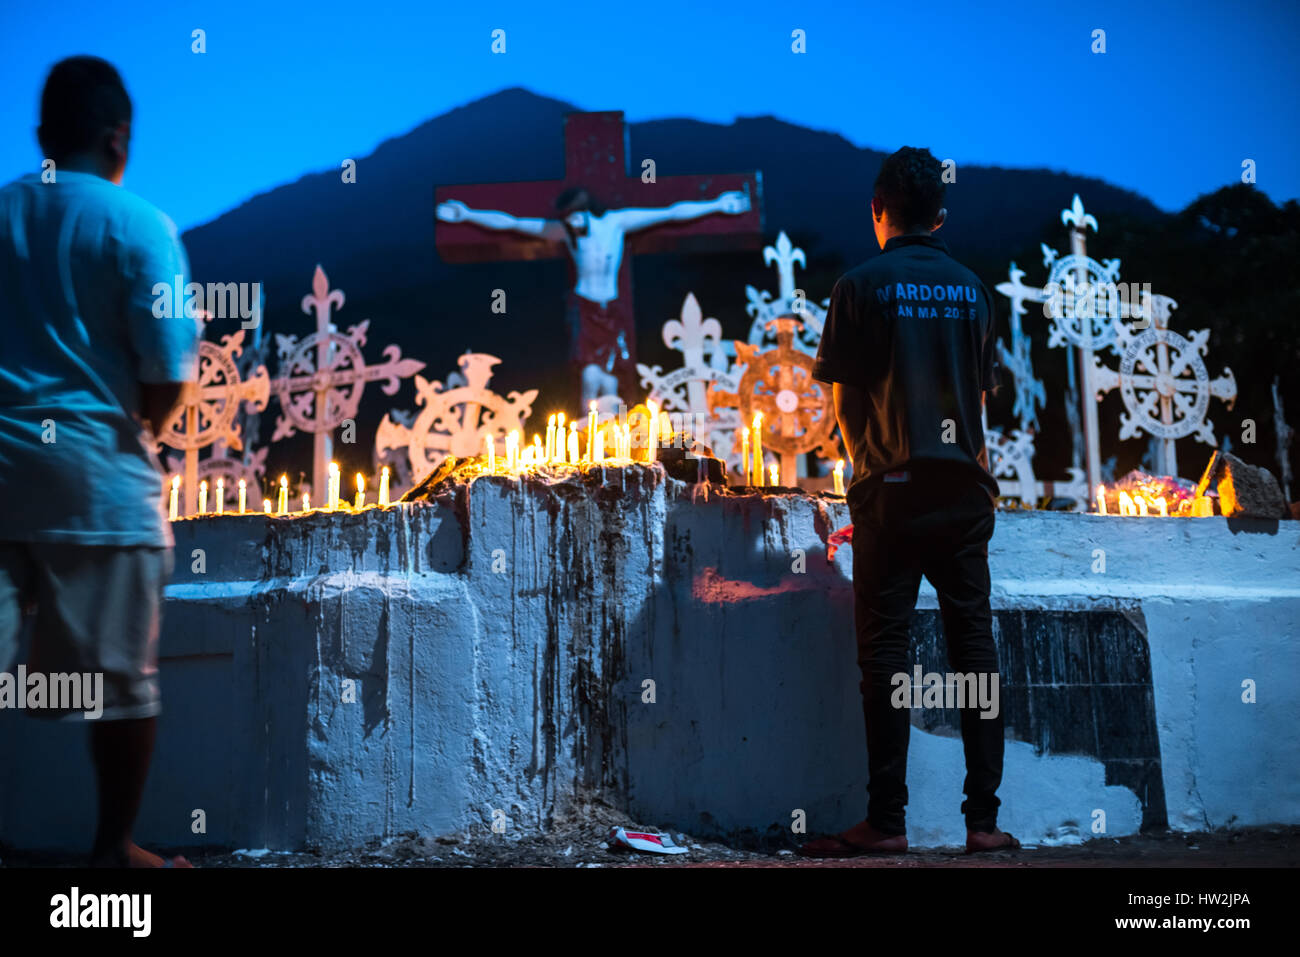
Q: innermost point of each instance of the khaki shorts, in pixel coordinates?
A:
(97, 612)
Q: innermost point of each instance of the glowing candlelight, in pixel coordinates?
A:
(490, 449)
(283, 503)
(266, 506)
(839, 476)
(1101, 500)
(746, 469)
(221, 495)
(1141, 502)
(203, 497)
(539, 458)
(332, 490)
(627, 442)
(559, 448)
(383, 486)
(1162, 506)
(600, 447)
(653, 451)
(243, 496)
(758, 448)
(1126, 506)
(306, 502)
(173, 510)
(512, 451)
(574, 459)
(361, 492)
(776, 474)
(550, 439)
(591, 431)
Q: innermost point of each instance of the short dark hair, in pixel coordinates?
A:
(577, 198)
(910, 187)
(83, 96)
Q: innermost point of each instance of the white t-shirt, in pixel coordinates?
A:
(79, 259)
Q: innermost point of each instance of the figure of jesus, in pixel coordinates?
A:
(600, 324)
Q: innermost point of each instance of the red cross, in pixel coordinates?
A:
(595, 154)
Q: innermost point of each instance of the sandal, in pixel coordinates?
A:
(1011, 844)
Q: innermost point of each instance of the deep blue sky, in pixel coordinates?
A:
(1185, 91)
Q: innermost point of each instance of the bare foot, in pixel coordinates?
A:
(861, 838)
(133, 855)
(994, 840)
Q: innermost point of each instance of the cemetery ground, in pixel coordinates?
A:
(582, 841)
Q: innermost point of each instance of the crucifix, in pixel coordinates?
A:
(595, 216)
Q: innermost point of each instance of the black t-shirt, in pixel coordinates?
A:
(913, 329)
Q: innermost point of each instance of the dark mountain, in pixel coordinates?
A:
(375, 238)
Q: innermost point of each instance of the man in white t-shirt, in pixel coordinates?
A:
(86, 370)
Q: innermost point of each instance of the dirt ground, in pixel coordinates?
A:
(583, 842)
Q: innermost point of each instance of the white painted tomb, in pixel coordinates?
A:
(497, 644)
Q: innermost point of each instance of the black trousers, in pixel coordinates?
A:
(938, 524)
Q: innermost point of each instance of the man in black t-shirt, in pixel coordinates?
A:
(909, 349)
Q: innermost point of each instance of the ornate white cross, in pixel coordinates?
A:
(1030, 393)
(455, 418)
(206, 411)
(323, 376)
(698, 340)
(789, 301)
(1164, 384)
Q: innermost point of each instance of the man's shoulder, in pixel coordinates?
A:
(133, 216)
(141, 217)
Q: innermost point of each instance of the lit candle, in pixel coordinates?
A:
(600, 447)
(550, 439)
(283, 503)
(266, 506)
(559, 449)
(839, 477)
(243, 496)
(490, 446)
(775, 474)
(1101, 500)
(539, 457)
(221, 495)
(332, 492)
(1126, 506)
(653, 451)
(512, 451)
(591, 431)
(746, 469)
(173, 511)
(361, 491)
(1163, 506)
(1141, 502)
(574, 458)
(203, 497)
(306, 502)
(383, 486)
(758, 448)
